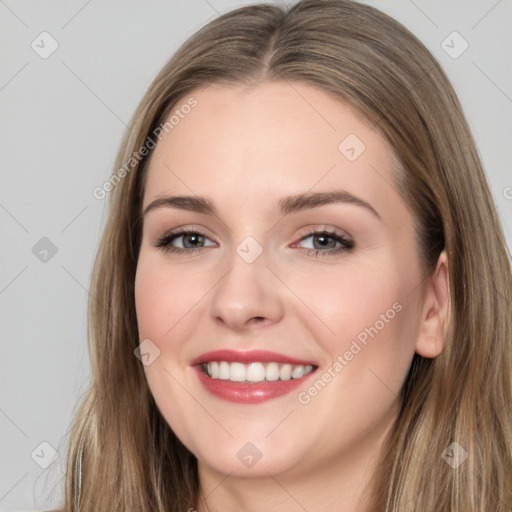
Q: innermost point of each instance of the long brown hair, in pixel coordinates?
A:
(122, 454)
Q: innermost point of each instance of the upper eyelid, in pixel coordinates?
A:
(176, 233)
(311, 231)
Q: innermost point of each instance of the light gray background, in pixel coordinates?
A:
(62, 122)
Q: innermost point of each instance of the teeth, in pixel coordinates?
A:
(298, 372)
(286, 372)
(224, 370)
(272, 371)
(237, 372)
(213, 370)
(255, 372)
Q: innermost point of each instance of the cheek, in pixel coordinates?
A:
(163, 297)
(150, 301)
(369, 358)
(365, 319)
(347, 300)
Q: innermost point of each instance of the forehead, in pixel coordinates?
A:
(268, 140)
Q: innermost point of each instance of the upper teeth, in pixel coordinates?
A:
(255, 372)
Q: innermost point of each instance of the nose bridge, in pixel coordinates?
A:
(247, 290)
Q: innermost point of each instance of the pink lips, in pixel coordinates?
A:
(248, 356)
(245, 392)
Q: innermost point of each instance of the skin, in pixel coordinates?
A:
(245, 148)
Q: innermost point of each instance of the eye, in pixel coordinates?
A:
(327, 243)
(191, 241)
(324, 242)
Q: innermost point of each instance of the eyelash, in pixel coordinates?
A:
(347, 245)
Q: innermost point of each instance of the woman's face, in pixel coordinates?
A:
(304, 273)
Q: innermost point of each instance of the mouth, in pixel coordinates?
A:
(251, 377)
(255, 372)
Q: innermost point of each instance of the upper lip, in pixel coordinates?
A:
(248, 356)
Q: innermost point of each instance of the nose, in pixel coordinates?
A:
(248, 296)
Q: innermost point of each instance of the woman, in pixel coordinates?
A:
(302, 297)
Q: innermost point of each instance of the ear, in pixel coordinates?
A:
(436, 311)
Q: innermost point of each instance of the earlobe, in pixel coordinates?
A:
(436, 311)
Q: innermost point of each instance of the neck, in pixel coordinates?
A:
(337, 484)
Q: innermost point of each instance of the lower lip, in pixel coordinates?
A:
(248, 393)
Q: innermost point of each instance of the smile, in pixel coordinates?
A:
(250, 377)
(255, 371)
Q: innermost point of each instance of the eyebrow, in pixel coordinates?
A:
(285, 206)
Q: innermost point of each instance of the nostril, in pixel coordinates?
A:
(259, 320)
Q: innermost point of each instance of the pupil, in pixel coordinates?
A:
(324, 240)
(192, 236)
